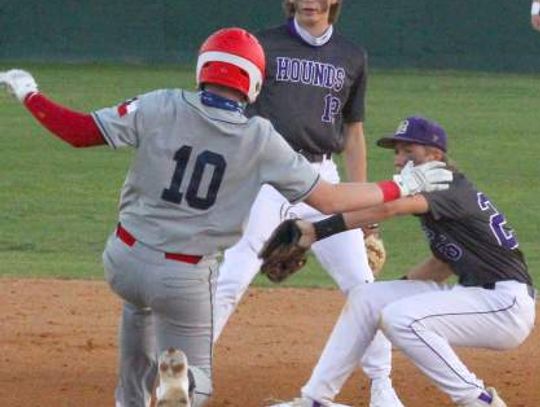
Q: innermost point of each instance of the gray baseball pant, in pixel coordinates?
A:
(167, 303)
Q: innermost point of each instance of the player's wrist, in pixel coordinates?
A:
(28, 96)
(25, 91)
(329, 226)
(535, 8)
(391, 190)
(308, 233)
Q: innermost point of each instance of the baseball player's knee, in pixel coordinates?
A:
(372, 295)
(357, 281)
(395, 322)
(364, 302)
(348, 279)
(357, 295)
(200, 386)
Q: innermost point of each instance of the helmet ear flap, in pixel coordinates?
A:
(234, 58)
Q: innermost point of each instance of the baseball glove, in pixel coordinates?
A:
(376, 253)
(282, 254)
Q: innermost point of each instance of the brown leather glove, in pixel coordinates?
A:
(282, 254)
(376, 253)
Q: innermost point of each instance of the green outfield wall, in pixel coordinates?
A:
(492, 35)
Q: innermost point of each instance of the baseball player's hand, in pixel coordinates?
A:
(284, 253)
(19, 83)
(430, 176)
(535, 21)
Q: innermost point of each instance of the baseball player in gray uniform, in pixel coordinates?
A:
(492, 305)
(198, 166)
(314, 95)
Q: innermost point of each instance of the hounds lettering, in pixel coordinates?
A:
(310, 73)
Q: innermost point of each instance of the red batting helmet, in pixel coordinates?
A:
(234, 58)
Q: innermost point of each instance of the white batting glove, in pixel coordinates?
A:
(19, 83)
(428, 177)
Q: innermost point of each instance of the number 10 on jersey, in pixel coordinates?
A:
(205, 161)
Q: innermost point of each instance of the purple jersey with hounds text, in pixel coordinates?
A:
(309, 92)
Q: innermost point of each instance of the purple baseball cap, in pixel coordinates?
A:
(418, 130)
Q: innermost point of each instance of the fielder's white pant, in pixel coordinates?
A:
(423, 319)
(342, 255)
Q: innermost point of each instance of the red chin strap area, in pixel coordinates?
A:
(225, 74)
(77, 129)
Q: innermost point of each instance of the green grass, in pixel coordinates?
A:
(58, 204)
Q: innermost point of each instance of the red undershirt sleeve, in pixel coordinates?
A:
(75, 128)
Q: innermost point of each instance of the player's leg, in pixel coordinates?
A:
(425, 327)
(241, 262)
(137, 347)
(137, 357)
(345, 259)
(343, 255)
(353, 333)
(181, 301)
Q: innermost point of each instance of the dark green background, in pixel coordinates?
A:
(492, 35)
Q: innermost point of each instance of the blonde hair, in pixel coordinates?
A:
(450, 164)
(289, 9)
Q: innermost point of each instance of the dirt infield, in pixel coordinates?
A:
(58, 348)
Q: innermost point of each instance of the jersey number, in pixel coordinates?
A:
(332, 107)
(206, 161)
(496, 223)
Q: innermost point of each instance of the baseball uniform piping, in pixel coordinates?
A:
(417, 334)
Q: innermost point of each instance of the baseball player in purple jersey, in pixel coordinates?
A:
(492, 305)
(314, 95)
(199, 163)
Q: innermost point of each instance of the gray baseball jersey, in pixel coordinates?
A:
(309, 92)
(197, 169)
(467, 231)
